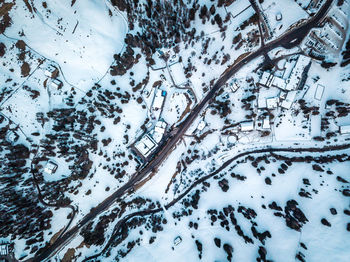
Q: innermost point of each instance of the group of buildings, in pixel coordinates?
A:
(52, 72)
(148, 142)
(280, 90)
(329, 39)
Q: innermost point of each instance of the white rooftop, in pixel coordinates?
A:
(295, 76)
(145, 145)
(247, 126)
(158, 102)
(4, 249)
(344, 129)
(266, 124)
(201, 125)
(272, 102)
(279, 82)
(287, 103)
(50, 167)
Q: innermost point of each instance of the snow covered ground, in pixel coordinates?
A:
(81, 38)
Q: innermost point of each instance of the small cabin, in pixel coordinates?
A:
(51, 71)
(177, 240)
(50, 167)
(57, 84)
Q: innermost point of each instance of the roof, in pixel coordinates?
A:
(145, 145)
(159, 131)
(272, 102)
(247, 126)
(158, 102)
(50, 71)
(4, 249)
(56, 83)
(262, 102)
(344, 129)
(50, 167)
(279, 82)
(295, 76)
(266, 124)
(201, 125)
(287, 103)
(265, 79)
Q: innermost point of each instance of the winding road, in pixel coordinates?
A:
(287, 40)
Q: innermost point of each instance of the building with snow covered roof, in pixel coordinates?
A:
(55, 83)
(158, 102)
(158, 131)
(290, 82)
(296, 75)
(51, 71)
(287, 103)
(149, 141)
(50, 167)
(201, 125)
(278, 82)
(345, 129)
(247, 126)
(145, 145)
(266, 124)
(272, 102)
(265, 79)
(4, 249)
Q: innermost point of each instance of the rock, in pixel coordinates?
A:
(348, 227)
(268, 181)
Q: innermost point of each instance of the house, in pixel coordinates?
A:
(55, 83)
(278, 82)
(159, 130)
(145, 145)
(50, 167)
(319, 92)
(51, 71)
(177, 241)
(158, 102)
(201, 125)
(295, 77)
(272, 102)
(278, 16)
(287, 103)
(266, 124)
(4, 249)
(247, 126)
(234, 86)
(344, 129)
(265, 79)
(11, 137)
